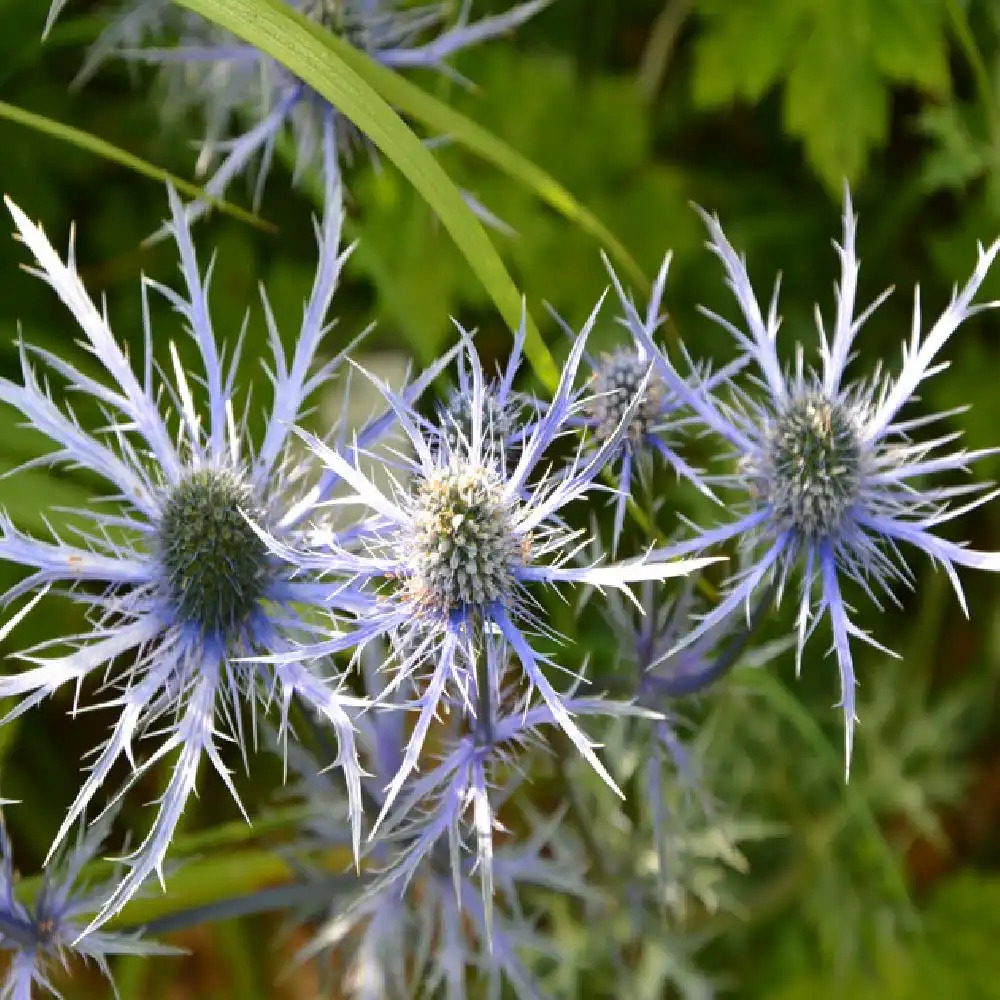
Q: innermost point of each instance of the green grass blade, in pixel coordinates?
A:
(108, 151)
(306, 50)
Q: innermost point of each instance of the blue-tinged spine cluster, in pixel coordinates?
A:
(42, 936)
(829, 478)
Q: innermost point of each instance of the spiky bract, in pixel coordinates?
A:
(451, 555)
(48, 932)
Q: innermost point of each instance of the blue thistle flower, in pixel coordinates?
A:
(830, 476)
(457, 799)
(442, 923)
(508, 413)
(207, 69)
(423, 922)
(647, 642)
(451, 556)
(181, 592)
(668, 673)
(49, 931)
(615, 379)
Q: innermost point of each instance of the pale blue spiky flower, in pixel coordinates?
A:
(831, 474)
(248, 100)
(507, 411)
(44, 933)
(658, 415)
(180, 591)
(475, 770)
(454, 552)
(425, 921)
(432, 933)
(668, 754)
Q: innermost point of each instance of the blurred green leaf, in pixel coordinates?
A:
(954, 956)
(562, 123)
(961, 152)
(837, 62)
(473, 136)
(417, 273)
(773, 691)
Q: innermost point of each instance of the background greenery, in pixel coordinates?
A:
(756, 109)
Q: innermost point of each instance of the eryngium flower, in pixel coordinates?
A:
(458, 796)
(180, 589)
(424, 934)
(49, 931)
(668, 673)
(427, 918)
(831, 477)
(507, 413)
(452, 555)
(235, 86)
(658, 414)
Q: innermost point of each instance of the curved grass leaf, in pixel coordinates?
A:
(206, 883)
(196, 882)
(304, 48)
(109, 151)
(228, 840)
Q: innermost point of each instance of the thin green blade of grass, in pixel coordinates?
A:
(108, 151)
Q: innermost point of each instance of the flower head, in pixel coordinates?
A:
(627, 375)
(426, 916)
(181, 591)
(431, 929)
(49, 930)
(231, 83)
(450, 556)
(616, 381)
(507, 413)
(831, 476)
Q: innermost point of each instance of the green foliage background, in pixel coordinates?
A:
(756, 109)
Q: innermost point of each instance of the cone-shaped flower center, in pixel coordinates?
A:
(464, 547)
(815, 464)
(46, 927)
(616, 383)
(215, 566)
